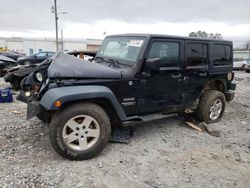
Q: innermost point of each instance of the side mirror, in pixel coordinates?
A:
(153, 64)
(35, 56)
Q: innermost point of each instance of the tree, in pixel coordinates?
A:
(203, 34)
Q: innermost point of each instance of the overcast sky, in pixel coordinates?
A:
(90, 19)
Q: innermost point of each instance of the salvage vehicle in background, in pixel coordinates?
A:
(6, 63)
(239, 65)
(35, 58)
(247, 67)
(12, 55)
(26, 65)
(16, 74)
(87, 55)
(133, 79)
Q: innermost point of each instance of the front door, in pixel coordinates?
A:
(159, 90)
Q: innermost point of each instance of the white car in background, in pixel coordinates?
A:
(239, 65)
(247, 67)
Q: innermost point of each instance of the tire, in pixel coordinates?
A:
(72, 116)
(211, 106)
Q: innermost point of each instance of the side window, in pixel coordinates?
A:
(167, 52)
(50, 54)
(42, 54)
(196, 54)
(228, 53)
(222, 55)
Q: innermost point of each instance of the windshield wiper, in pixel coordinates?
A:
(115, 62)
(98, 58)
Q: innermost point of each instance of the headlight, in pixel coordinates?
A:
(27, 94)
(39, 76)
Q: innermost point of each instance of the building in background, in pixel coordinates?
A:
(30, 45)
(241, 54)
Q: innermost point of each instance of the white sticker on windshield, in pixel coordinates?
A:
(136, 43)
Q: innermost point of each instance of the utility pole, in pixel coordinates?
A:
(62, 40)
(54, 11)
(56, 22)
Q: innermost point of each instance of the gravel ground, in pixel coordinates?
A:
(161, 154)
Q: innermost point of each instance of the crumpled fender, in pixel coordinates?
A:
(75, 93)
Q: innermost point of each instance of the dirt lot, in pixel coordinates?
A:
(161, 154)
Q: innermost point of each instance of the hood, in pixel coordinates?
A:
(68, 66)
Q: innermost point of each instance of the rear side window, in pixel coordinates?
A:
(222, 55)
(167, 52)
(196, 54)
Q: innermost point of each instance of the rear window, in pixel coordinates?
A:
(222, 55)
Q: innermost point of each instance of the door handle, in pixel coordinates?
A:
(203, 74)
(176, 76)
(145, 75)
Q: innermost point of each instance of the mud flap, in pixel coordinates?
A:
(121, 134)
(33, 109)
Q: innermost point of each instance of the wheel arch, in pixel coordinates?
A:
(100, 95)
(216, 84)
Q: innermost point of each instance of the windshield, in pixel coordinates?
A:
(126, 49)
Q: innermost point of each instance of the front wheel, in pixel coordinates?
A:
(211, 106)
(80, 131)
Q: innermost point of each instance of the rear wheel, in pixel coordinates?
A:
(80, 131)
(211, 106)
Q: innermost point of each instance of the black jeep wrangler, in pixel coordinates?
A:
(133, 78)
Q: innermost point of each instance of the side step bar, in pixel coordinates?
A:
(146, 118)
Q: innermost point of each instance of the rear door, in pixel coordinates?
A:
(160, 90)
(196, 68)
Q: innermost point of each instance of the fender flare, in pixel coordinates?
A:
(214, 80)
(76, 93)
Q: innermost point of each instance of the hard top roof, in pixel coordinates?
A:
(168, 37)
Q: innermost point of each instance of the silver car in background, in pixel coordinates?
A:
(239, 65)
(247, 67)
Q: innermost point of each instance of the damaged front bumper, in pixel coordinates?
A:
(33, 107)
